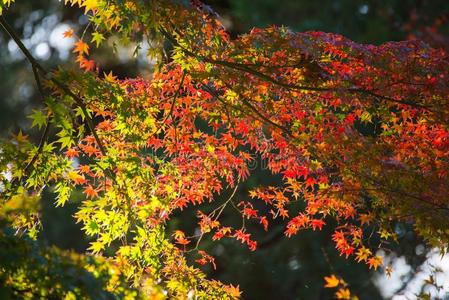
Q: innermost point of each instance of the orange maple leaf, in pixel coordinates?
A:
(375, 262)
(366, 218)
(71, 153)
(343, 294)
(233, 291)
(81, 48)
(182, 241)
(68, 33)
(85, 64)
(90, 192)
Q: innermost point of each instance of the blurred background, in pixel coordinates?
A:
(281, 268)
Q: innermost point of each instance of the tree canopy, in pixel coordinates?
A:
(357, 133)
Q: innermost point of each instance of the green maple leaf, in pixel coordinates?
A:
(97, 38)
(66, 141)
(39, 119)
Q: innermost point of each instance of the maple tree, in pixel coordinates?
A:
(359, 134)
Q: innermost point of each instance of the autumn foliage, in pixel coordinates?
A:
(359, 134)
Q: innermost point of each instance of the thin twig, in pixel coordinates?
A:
(44, 136)
(247, 103)
(172, 106)
(220, 208)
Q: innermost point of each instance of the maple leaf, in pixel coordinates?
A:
(178, 234)
(81, 48)
(317, 223)
(89, 5)
(109, 77)
(291, 230)
(180, 238)
(97, 38)
(20, 137)
(331, 281)
(363, 254)
(86, 64)
(89, 150)
(343, 293)
(39, 119)
(68, 33)
(76, 177)
(233, 291)
(375, 262)
(224, 231)
(71, 153)
(386, 234)
(263, 220)
(290, 173)
(84, 168)
(240, 235)
(249, 213)
(90, 192)
(350, 119)
(252, 245)
(183, 241)
(310, 182)
(96, 247)
(348, 251)
(366, 218)
(206, 258)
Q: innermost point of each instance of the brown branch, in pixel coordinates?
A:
(175, 96)
(246, 102)
(38, 67)
(246, 68)
(44, 136)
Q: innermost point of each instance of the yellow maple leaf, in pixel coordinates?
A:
(384, 234)
(20, 137)
(331, 281)
(363, 254)
(343, 294)
(90, 5)
(110, 77)
(8, 2)
(73, 175)
(96, 247)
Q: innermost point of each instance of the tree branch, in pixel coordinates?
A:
(245, 68)
(44, 136)
(38, 67)
(246, 102)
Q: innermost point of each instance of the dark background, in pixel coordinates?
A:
(282, 268)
